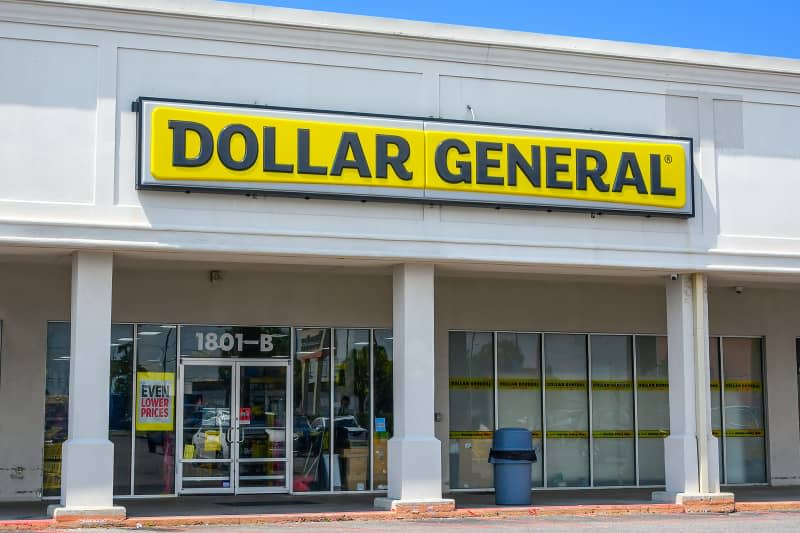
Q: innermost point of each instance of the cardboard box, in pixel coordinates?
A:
(356, 468)
(474, 470)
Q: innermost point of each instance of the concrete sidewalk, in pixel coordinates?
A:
(258, 509)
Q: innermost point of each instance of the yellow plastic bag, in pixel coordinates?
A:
(212, 442)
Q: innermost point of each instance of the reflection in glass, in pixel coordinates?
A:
(471, 408)
(612, 410)
(351, 426)
(120, 419)
(567, 410)
(652, 397)
(383, 353)
(56, 401)
(312, 410)
(519, 395)
(206, 412)
(716, 399)
(744, 411)
(155, 450)
(262, 412)
(262, 426)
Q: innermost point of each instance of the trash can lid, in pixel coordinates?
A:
(511, 456)
(512, 439)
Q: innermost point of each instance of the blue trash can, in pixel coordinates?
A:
(512, 455)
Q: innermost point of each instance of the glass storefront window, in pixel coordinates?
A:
(566, 410)
(652, 401)
(621, 366)
(383, 355)
(353, 457)
(56, 401)
(147, 355)
(744, 410)
(156, 353)
(614, 463)
(351, 423)
(120, 419)
(312, 408)
(519, 390)
(471, 408)
(57, 368)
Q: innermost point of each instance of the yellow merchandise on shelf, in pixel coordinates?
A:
(52, 451)
(380, 463)
(188, 451)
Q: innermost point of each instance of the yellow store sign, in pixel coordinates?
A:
(257, 150)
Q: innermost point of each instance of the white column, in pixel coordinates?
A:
(707, 444)
(690, 451)
(87, 471)
(415, 456)
(680, 448)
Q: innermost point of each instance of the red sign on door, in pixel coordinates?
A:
(244, 415)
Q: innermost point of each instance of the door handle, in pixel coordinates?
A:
(241, 436)
(228, 436)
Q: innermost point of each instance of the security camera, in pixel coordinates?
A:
(673, 277)
(739, 289)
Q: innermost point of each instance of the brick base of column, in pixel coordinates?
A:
(721, 502)
(415, 507)
(88, 516)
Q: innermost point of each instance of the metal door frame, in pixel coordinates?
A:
(235, 365)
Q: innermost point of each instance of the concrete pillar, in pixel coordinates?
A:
(87, 471)
(691, 451)
(415, 455)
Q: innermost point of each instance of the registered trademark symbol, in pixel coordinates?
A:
(668, 158)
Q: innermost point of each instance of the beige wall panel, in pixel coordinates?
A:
(270, 298)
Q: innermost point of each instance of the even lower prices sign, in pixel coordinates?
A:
(155, 401)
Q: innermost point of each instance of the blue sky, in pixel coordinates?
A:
(765, 27)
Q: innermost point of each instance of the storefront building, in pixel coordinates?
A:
(249, 250)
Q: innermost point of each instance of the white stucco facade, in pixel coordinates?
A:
(71, 70)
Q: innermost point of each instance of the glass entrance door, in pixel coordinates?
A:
(205, 462)
(233, 427)
(261, 430)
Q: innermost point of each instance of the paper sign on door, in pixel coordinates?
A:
(244, 415)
